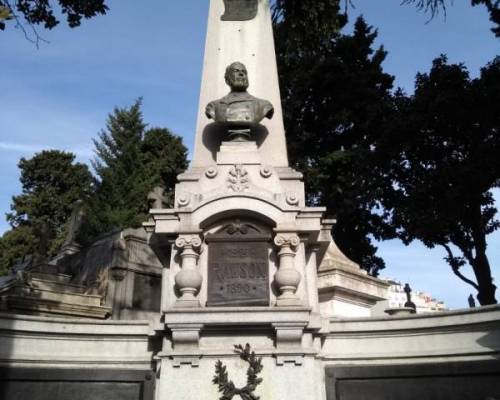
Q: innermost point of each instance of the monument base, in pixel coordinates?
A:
(238, 152)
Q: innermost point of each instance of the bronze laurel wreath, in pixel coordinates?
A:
(227, 388)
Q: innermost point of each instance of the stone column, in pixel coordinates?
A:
(312, 281)
(188, 279)
(287, 278)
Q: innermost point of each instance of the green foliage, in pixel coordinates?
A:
(336, 99)
(27, 14)
(51, 183)
(36, 12)
(15, 244)
(445, 165)
(131, 160)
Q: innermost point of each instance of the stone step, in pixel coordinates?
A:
(35, 294)
(54, 277)
(58, 286)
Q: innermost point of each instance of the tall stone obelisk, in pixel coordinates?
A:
(250, 42)
(245, 249)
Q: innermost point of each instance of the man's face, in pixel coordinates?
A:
(237, 77)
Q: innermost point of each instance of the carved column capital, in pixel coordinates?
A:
(184, 242)
(284, 240)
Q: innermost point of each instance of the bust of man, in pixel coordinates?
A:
(239, 110)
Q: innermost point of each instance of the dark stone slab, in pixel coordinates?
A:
(147, 292)
(238, 271)
(440, 381)
(61, 384)
(240, 10)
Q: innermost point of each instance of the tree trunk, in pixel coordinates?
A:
(486, 293)
(480, 263)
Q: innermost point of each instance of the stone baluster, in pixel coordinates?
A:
(287, 278)
(188, 279)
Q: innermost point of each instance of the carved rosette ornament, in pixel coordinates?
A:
(292, 199)
(188, 279)
(183, 200)
(211, 172)
(266, 172)
(287, 278)
(238, 179)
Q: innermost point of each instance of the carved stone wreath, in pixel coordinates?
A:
(227, 388)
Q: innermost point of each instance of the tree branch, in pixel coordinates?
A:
(36, 39)
(455, 266)
(432, 6)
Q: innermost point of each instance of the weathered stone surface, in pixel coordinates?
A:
(33, 341)
(459, 335)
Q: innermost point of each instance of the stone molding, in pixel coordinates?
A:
(32, 341)
(457, 335)
(186, 344)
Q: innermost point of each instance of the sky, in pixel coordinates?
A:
(58, 96)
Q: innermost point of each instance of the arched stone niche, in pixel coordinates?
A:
(238, 263)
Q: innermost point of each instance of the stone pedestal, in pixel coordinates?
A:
(233, 153)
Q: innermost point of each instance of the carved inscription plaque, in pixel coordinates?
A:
(240, 10)
(238, 273)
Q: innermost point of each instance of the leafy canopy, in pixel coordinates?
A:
(335, 99)
(51, 183)
(446, 164)
(130, 161)
(26, 14)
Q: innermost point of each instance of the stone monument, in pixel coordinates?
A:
(245, 248)
(252, 284)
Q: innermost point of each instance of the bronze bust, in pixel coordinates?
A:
(239, 111)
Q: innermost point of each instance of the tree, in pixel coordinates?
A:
(335, 98)
(26, 14)
(51, 183)
(446, 164)
(433, 7)
(131, 160)
(15, 244)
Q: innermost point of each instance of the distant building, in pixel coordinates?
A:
(424, 301)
